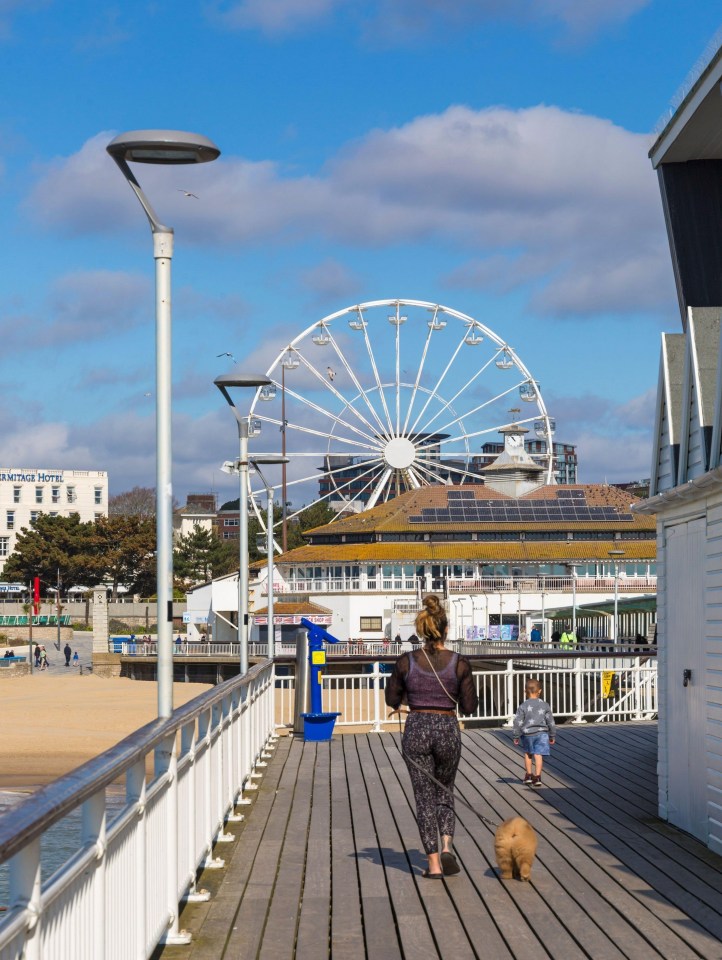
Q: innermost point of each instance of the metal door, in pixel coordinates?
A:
(685, 641)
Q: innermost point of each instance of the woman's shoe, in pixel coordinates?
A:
(432, 876)
(449, 864)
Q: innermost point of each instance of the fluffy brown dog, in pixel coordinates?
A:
(515, 848)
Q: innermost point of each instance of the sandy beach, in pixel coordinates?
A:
(51, 724)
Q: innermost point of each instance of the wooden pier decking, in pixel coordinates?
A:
(328, 861)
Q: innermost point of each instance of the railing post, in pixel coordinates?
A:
(135, 793)
(510, 706)
(166, 765)
(25, 895)
(376, 680)
(637, 673)
(93, 832)
(578, 704)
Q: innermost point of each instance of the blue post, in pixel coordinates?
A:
(317, 725)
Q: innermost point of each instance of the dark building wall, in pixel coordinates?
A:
(692, 203)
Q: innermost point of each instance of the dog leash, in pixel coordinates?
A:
(429, 776)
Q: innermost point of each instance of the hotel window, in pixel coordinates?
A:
(71, 494)
(38, 494)
(4, 546)
(53, 513)
(98, 494)
(34, 514)
(16, 494)
(10, 519)
(98, 516)
(231, 523)
(369, 623)
(55, 494)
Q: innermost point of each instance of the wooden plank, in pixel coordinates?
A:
(622, 919)
(279, 934)
(347, 939)
(420, 906)
(314, 927)
(472, 910)
(380, 934)
(255, 873)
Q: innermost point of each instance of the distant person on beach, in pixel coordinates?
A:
(43, 658)
(37, 655)
(76, 658)
(67, 650)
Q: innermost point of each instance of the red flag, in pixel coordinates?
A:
(36, 596)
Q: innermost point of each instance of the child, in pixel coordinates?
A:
(534, 725)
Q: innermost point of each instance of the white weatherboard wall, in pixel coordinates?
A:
(689, 623)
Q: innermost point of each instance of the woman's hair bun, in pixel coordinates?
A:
(432, 604)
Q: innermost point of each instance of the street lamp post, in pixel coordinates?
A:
(224, 382)
(256, 461)
(616, 555)
(167, 147)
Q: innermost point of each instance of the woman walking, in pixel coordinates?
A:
(433, 681)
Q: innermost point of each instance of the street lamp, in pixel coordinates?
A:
(269, 460)
(169, 147)
(616, 556)
(224, 382)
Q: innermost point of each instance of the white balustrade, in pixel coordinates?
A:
(118, 895)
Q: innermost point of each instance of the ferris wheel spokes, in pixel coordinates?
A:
(434, 391)
(354, 379)
(326, 413)
(327, 384)
(486, 403)
(448, 403)
(382, 395)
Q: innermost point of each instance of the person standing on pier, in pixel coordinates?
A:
(433, 681)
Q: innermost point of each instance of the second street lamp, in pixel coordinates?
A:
(224, 382)
(269, 461)
(616, 556)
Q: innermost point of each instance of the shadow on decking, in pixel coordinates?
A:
(328, 862)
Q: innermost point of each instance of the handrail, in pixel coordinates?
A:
(204, 757)
(30, 819)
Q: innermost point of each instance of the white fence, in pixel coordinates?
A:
(118, 896)
(582, 689)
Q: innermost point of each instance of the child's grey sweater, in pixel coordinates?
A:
(534, 716)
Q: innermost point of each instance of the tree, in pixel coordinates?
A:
(121, 551)
(138, 502)
(317, 515)
(49, 546)
(200, 556)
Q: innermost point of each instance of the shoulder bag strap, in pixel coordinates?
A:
(456, 702)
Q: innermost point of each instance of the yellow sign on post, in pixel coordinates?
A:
(607, 679)
(318, 657)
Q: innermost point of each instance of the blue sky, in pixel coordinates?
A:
(492, 159)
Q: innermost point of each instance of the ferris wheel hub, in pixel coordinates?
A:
(399, 453)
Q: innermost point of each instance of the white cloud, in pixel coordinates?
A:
(82, 306)
(401, 21)
(562, 202)
(331, 280)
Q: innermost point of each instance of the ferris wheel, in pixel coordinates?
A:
(388, 396)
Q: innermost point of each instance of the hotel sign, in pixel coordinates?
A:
(31, 476)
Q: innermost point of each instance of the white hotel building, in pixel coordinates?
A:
(26, 492)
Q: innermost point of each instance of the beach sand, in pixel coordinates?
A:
(51, 724)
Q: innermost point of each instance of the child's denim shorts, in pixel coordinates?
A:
(537, 743)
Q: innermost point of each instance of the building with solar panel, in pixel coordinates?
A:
(503, 561)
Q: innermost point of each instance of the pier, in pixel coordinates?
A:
(328, 861)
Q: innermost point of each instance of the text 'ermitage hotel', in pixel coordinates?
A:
(25, 493)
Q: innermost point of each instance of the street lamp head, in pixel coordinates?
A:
(162, 146)
(268, 459)
(226, 380)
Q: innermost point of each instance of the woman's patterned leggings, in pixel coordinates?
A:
(434, 742)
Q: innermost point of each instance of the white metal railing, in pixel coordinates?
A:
(524, 582)
(118, 895)
(575, 691)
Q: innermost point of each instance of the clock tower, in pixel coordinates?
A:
(514, 472)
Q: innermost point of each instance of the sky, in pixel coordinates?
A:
(490, 157)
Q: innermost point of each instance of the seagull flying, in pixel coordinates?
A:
(331, 374)
(186, 193)
(227, 354)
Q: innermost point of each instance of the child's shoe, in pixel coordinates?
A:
(536, 781)
(527, 781)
